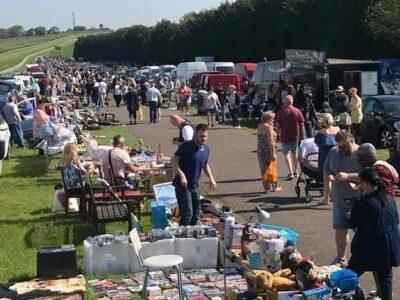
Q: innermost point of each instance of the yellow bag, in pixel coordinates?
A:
(271, 173)
(140, 113)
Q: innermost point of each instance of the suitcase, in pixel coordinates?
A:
(57, 262)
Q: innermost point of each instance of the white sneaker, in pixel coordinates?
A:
(238, 127)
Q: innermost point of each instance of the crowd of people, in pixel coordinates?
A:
(360, 187)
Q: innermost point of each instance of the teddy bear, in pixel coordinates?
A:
(280, 281)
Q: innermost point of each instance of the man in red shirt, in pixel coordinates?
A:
(290, 125)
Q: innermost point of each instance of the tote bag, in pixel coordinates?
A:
(271, 173)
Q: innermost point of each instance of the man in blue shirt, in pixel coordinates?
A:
(188, 161)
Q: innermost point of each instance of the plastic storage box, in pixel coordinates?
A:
(322, 293)
(160, 247)
(346, 280)
(197, 253)
(289, 235)
(110, 258)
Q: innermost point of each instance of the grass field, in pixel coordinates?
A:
(22, 50)
(26, 220)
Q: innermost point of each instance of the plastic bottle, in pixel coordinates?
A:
(159, 156)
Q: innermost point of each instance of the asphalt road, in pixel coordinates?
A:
(234, 164)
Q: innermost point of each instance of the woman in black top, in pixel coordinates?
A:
(376, 243)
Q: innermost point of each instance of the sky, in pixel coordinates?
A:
(90, 13)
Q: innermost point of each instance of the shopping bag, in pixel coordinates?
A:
(140, 113)
(271, 173)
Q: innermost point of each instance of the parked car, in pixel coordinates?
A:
(381, 113)
(245, 70)
(27, 120)
(185, 70)
(120, 70)
(224, 67)
(198, 78)
(213, 80)
(166, 70)
(4, 141)
(131, 72)
(7, 89)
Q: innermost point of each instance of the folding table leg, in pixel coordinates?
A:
(146, 278)
(180, 287)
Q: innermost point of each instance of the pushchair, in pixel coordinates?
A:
(310, 177)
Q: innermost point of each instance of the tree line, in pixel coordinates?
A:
(18, 30)
(249, 30)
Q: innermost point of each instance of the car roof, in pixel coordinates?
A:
(385, 98)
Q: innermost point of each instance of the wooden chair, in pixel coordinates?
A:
(107, 211)
(78, 192)
(126, 194)
(84, 195)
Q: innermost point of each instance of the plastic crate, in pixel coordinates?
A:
(289, 235)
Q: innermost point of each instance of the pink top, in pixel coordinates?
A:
(40, 118)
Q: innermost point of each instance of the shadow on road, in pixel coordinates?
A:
(238, 180)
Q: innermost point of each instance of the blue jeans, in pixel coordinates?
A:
(16, 134)
(189, 205)
(153, 111)
(234, 115)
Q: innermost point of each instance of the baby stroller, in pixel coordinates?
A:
(310, 177)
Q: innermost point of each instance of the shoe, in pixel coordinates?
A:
(238, 127)
(135, 123)
(290, 176)
(295, 175)
(341, 262)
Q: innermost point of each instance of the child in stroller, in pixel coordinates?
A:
(309, 175)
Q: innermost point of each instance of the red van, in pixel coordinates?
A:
(224, 79)
(245, 70)
(197, 80)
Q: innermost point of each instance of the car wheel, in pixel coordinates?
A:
(386, 138)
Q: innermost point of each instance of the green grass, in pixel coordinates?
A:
(18, 52)
(12, 58)
(26, 220)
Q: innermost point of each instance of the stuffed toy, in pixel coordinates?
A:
(266, 281)
(290, 258)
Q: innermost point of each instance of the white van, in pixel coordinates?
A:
(166, 70)
(185, 70)
(267, 73)
(224, 67)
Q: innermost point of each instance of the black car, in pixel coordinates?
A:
(381, 113)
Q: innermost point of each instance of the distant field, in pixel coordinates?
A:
(16, 52)
(26, 41)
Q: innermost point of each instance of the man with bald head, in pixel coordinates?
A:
(185, 130)
(290, 125)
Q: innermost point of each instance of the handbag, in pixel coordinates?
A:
(271, 173)
(140, 113)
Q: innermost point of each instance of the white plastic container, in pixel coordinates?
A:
(107, 259)
(197, 253)
(227, 228)
(274, 245)
(161, 247)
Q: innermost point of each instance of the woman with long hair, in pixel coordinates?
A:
(73, 168)
(266, 147)
(376, 243)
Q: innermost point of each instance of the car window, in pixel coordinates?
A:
(370, 106)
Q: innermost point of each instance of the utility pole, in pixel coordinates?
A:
(73, 20)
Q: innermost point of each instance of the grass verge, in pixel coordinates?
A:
(26, 220)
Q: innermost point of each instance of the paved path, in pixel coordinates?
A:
(234, 164)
